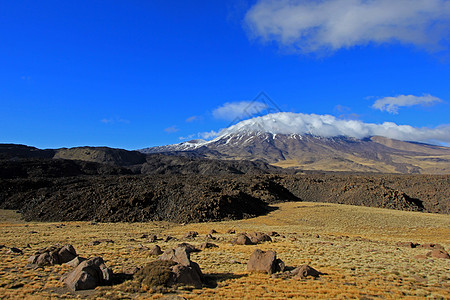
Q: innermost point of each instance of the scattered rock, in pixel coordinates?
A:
(432, 246)
(190, 235)
(179, 255)
(88, 275)
(152, 239)
(273, 233)
(168, 273)
(142, 248)
(98, 242)
(207, 246)
(242, 239)
(407, 244)
(189, 248)
(437, 253)
(53, 255)
(209, 237)
(184, 271)
(169, 238)
(265, 261)
(94, 243)
(212, 231)
(14, 250)
(75, 262)
(259, 237)
(156, 250)
(231, 231)
(305, 271)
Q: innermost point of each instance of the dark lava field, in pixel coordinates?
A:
(184, 190)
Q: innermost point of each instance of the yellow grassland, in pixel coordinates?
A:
(354, 246)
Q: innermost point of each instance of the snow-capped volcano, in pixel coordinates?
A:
(330, 126)
(323, 142)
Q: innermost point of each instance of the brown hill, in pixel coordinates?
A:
(313, 153)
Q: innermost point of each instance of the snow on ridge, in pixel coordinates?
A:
(287, 123)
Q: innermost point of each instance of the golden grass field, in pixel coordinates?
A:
(354, 246)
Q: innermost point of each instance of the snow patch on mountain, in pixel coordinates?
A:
(329, 126)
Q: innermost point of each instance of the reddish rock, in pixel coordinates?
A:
(75, 262)
(190, 248)
(156, 250)
(432, 246)
(88, 275)
(242, 239)
(437, 253)
(305, 271)
(53, 255)
(259, 237)
(264, 261)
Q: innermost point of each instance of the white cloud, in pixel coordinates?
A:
(193, 118)
(171, 129)
(208, 135)
(239, 110)
(329, 126)
(310, 26)
(392, 104)
(114, 121)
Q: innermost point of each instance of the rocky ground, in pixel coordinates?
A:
(361, 252)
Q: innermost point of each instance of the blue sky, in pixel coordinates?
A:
(133, 74)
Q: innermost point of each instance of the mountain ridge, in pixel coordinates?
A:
(314, 153)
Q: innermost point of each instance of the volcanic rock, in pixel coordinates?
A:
(265, 261)
(190, 235)
(259, 237)
(407, 244)
(156, 250)
(437, 253)
(54, 255)
(242, 239)
(208, 245)
(305, 271)
(88, 275)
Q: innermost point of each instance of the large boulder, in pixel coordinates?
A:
(265, 261)
(156, 250)
(438, 253)
(259, 237)
(88, 275)
(54, 255)
(242, 239)
(181, 256)
(167, 273)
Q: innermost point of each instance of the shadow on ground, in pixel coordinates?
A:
(211, 280)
